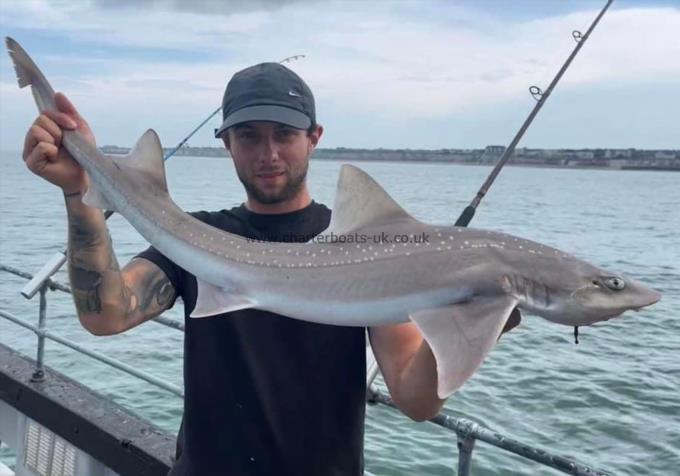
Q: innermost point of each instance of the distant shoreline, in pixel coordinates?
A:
(598, 159)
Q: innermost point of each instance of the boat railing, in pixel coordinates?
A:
(467, 431)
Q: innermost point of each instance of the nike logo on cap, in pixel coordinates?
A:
(293, 93)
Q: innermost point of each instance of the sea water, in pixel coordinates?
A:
(612, 401)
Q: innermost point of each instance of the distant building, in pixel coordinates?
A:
(664, 154)
(497, 150)
(584, 155)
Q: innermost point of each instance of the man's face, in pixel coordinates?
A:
(271, 159)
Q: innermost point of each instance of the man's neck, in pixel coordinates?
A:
(298, 202)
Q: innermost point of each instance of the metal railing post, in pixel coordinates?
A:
(39, 374)
(466, 443)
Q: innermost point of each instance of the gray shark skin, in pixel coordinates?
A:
(458, 286)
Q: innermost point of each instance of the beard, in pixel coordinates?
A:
(293, 185)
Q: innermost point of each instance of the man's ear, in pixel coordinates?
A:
(314, 137)
(225, 139)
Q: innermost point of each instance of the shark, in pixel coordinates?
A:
(374, 265)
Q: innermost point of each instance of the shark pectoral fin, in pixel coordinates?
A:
(213, 300)
(461, 336)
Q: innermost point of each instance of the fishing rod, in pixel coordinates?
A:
(53, 264)
(541, 97)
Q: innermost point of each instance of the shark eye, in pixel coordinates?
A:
(615, 284)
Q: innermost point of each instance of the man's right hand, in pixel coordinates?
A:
(43, 152)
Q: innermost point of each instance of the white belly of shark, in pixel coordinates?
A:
(459, 287)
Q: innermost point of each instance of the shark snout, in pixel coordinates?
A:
(651, 297)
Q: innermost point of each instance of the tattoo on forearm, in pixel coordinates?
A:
(86, 286)
(82, 235)
(91, 257)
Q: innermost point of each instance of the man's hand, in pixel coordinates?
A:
(43, 152)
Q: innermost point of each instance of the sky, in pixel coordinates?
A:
(422, 74)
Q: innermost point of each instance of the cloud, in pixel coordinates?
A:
(395, 62)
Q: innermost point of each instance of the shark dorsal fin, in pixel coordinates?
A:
(144, 162)
(361, 201)
(147, 157)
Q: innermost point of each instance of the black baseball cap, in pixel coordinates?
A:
(267, 92)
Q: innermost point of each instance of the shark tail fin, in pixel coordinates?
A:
(28, 74)
(461, 336)
(24, 66)
(361, 201)
(143, 164)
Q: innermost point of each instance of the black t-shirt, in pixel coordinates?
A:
(267, 394)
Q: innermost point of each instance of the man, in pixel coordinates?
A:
(264, 394)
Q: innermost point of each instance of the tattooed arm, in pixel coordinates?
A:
(109, 300)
